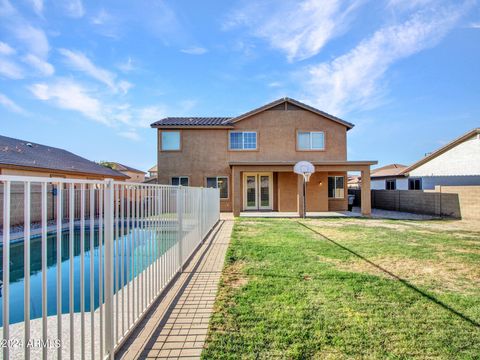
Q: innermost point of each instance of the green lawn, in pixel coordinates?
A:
(348, 288)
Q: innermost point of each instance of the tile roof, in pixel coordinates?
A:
(121, 167)
(192, 121)
(388, 170)
(23, 153)
(229, 121)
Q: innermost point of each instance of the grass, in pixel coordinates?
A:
(340, 289)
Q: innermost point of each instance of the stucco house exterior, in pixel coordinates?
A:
(389, 177)
(134, 175)
(152, 172)
(251, 157)
(455, 164)
(21, 157)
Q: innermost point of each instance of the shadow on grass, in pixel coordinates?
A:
(401, 280)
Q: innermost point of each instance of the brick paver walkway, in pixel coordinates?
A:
(177, 327)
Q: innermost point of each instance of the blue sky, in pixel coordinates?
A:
(90, 76)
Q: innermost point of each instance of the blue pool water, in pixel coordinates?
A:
(147, 247)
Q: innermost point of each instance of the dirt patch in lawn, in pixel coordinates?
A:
(234, 276)
(434, 225)
(446, 275)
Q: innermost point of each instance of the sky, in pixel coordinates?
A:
(91, 76)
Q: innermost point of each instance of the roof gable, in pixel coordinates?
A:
(290, 104)
(228, 122)
(443, 149)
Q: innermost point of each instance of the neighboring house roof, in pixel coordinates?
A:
(388, 170)
(229, 121)
(121, 167)
(150, 180)
(443, 149)
(25, 154)
(153, 168)
(354, 179)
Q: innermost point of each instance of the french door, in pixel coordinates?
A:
(258, 191)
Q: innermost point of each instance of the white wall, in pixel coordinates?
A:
(402, 184)
(463, 159)
(429, 182)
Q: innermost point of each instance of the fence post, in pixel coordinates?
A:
(180, 206)
(109, 212)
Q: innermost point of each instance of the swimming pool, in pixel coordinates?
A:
(138, 254)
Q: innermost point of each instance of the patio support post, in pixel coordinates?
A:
(366, 203)
(236, 191)
(301, 211)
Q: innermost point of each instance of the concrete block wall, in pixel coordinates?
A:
(447, 201)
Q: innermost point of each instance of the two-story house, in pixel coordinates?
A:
(250, 158)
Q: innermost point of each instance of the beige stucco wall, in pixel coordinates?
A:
(134, 176)
(204, 152)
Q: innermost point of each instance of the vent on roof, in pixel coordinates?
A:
(285, 106)
(29, 144)
(278, 107)
(293, 107)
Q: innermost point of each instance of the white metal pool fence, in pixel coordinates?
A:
(122, 243)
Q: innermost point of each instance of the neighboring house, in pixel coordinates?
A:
(455, 164)
(151, 180)
(354, 182)
(152, 172)
(250, 157)
(134, 175)
(389, 177)
(20, 157)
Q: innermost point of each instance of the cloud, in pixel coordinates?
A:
(79, 61)
(353, 81)
(101, 17)
(408, 5)
(10, 104)
(195, 50)
(130, 134)
(299, 29)
(43, 68)
(34, 38)
(126, 66)
(67, 94)
(147, 115)
(6, 49)
(37, 6)
(10, 69)
(475, 25)
(74, 8)
(275, 84)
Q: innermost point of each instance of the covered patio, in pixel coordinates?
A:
(273, 187)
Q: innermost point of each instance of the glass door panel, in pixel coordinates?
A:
(264, 191)
(251, 188)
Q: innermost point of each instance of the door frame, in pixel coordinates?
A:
(257, 191)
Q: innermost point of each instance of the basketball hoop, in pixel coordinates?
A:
(306, 169)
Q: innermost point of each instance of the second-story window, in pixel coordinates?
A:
(170, 140)
(310, 140)
(243, 140)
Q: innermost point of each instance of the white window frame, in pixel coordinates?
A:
(179, 140)
(216, 184)
(180, 180)
(335, 187)
(310, 148)
(243, 140)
